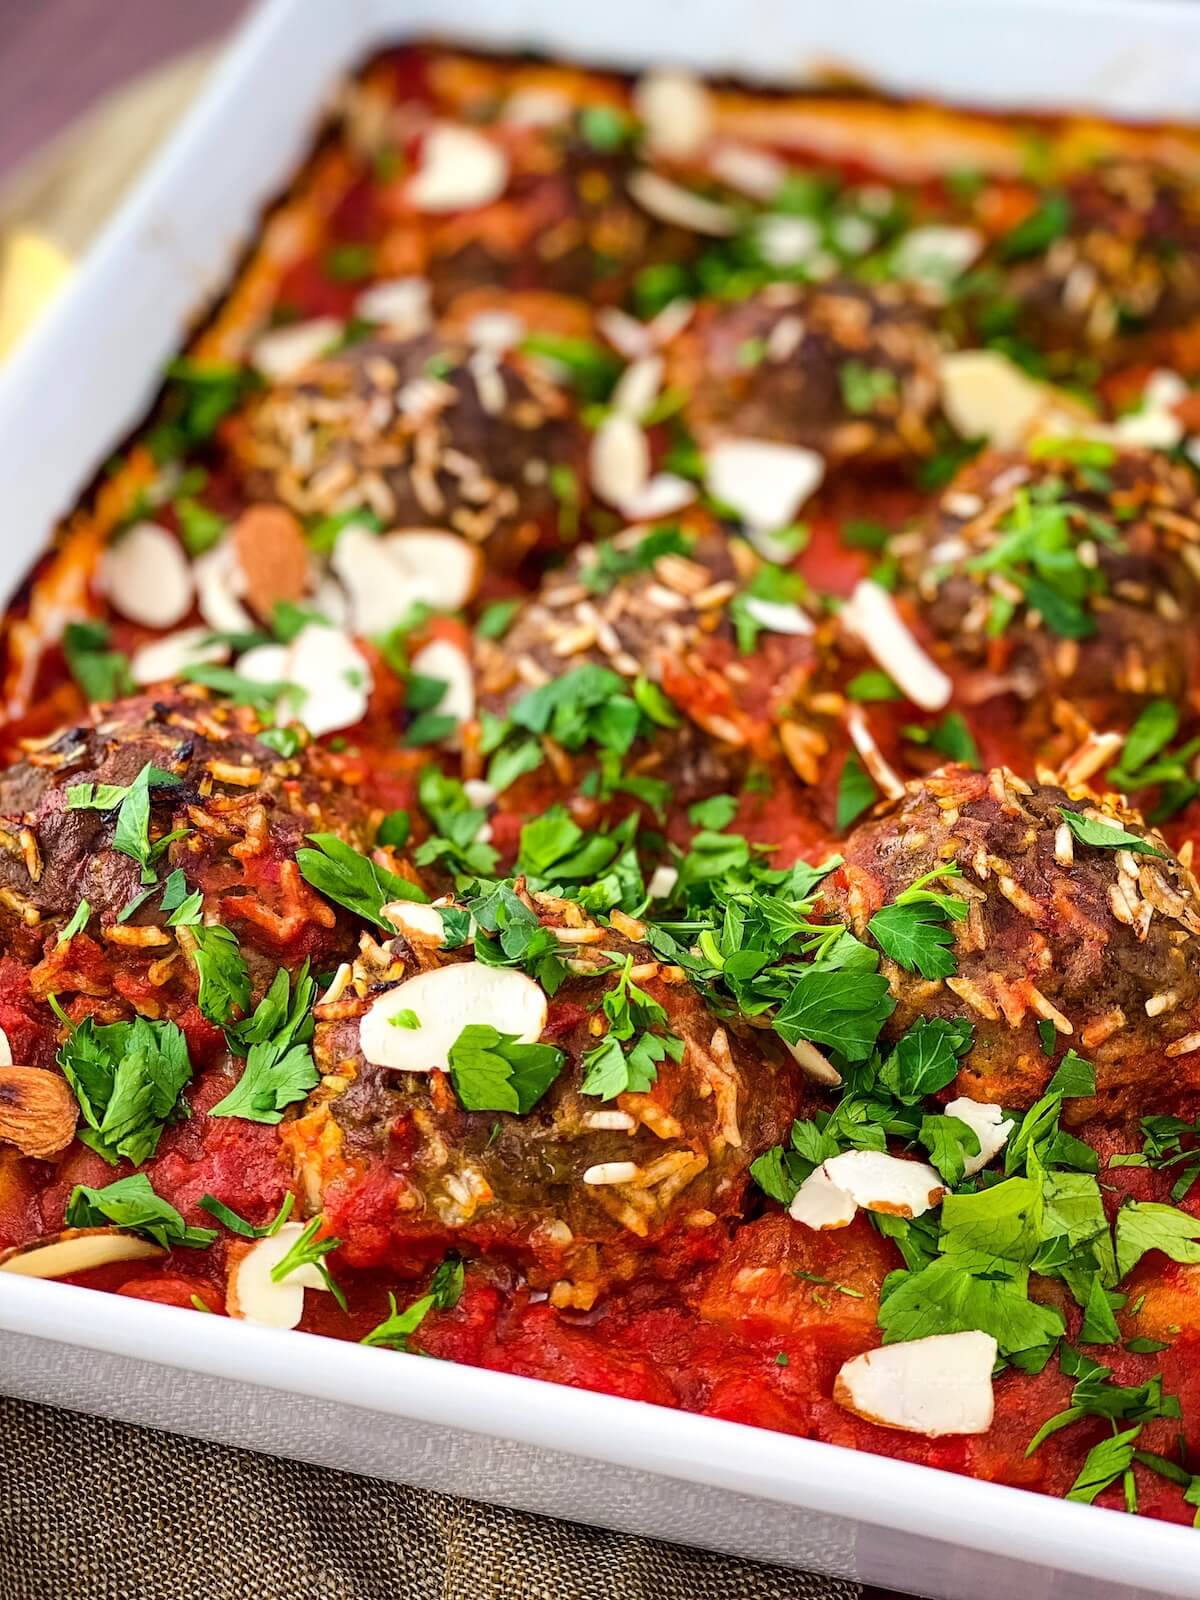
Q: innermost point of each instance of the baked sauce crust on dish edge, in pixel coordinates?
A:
(607, 789)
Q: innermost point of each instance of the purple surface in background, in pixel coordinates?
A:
(57, 57)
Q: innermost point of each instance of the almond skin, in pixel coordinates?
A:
(37, 1111)
(273, 556)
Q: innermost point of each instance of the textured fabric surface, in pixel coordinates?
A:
(97, 1510)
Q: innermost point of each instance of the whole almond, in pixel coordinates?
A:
(37, 1111)
(272, 555)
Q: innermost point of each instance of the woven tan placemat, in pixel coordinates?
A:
(96, 1510)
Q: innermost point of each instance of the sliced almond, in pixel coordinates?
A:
(813, 1064)
(334, 678)
(985, 395)
(166, 658)
(76, 1250)
(446, 661)
(283, 353)
(385, 576)
(420, 924)
(676, 113)
(935, 1386)
(619, 461)
(821, 1204)
(778, 616)
(401, 305)
(637, 388)
(443, 568)
(936, 255)
(270, 548)
(659, 496)
(251, 1293)
(890, 1184)
(749, 169)
(445, 1000)
(989, 1125)
(873, 617)
(220, 585)
(672, 203)
(459, 169)
(788, 241)
(38, 1112)
(5, 1050)
(266, 663)
(146, 576)
(765, 483)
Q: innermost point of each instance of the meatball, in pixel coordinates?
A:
(1112, 257)
(846, 371)
(579, 1189)
(240, 812)
(567, 224)
(1102, 943)
(673, 618)
(422, 432)
(1072, 575)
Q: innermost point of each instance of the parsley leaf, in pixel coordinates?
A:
(493, 1071)
(127, 1078)
(1106, 1462)
(132, 1203)
(1144, 1225)
(101, 673)
(131, 836)
(80, 918)
(309, 1251)
(1105, 835)
(279, 1065)
(224, 979)
(246, 1230)
(856, 792)
(342, 874)
(844, 1010)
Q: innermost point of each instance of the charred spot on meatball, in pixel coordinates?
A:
(1067, 579)
(578, 1190)
(1100, 940)
(846, 371)
(422, 432)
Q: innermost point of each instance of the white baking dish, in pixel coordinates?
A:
(72, 393)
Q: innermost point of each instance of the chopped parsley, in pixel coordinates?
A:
(276, 1038)
(101, 673)
(309, 1251)
(1106, 835)
(344, 875)
(127, 1078)
(131, 803)
(132, 1203)
(612, 563)
(856, 792)
(493, 1071)
(236, 1224)
(914, 929)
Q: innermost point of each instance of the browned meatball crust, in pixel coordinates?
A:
(423, 432)
(540, 1189)
(1104, 943)
(846, 371)
(1057, 577)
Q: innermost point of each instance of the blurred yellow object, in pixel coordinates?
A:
(32, 271)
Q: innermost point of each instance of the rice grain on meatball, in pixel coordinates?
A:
(422, 432)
